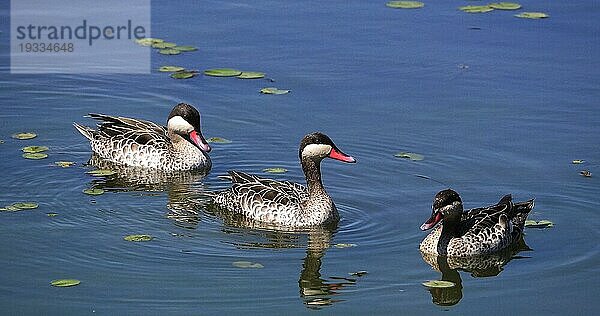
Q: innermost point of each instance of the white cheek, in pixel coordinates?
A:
(447, 208)
(179, 125)
(316, 150)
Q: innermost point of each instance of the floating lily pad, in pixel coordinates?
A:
(101, 172)
(64, 164)
(35, 156)
(438, 284)
(93, 191)
(532, 15)
(169, 51)
(185, 48)
(409, 155)
(34, 149)
(505, 6)
(275, 170)
(19, 206)
(358, 273)
(247, 264)
(138, 238)
(24, 136)
(148, 41)
(163, 45)
(577, 161)
(540, 224)
(251, 75)
(52, 214)
(585, 173)
(170, 68)
(65, 282)
(405, 4)
(25, 205)
(222, 72)
(272, 90)
(9, 208)
(183, 75)
(344, 245)
(218, 140)
(476, 8)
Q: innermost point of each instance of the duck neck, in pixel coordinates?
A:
(450, 226)
(312, 172)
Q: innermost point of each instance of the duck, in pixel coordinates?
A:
(478, 231)
(285, 203)
(180, 146)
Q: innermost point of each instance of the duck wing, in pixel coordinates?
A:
(262, 199)
(123, 128)
(477, 220)
(283, 188)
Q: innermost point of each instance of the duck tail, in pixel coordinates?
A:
(85, 131)
(520, 211)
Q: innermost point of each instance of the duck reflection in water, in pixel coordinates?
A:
(315, 291)
(478, 266)
(182, 187)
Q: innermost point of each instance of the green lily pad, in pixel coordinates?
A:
(222, 72)
(185, 48)
(251, 75)
(163, 45)
(169, 51)
(170, 68)
(64, 164)
(585, 173)
(275, 170)
(505, 6)
(546, 222)
(51, 214)
(9, 208)
(183, 75)
(532, 15)
(93, 191)
(344, 245)
(101, 172)
(65, 282)
(272, 90)
(34, 149)
(247, 264)
(358, 273)
(148, 41)
(438, 284)
(405, 4)
(138, 238)
(409, 155)
(476, 8)
(218, 140)
(540, 224)
(24, 136)
(577, 161)
(35, 156)
(25, 205)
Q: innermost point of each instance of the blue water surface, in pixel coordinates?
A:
(496, 105)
